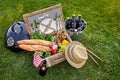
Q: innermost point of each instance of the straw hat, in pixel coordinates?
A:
(76, 54)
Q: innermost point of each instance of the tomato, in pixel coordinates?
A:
(54, 51)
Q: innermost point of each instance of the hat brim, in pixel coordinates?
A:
(71, 62)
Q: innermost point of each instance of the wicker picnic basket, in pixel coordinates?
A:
(41, 16)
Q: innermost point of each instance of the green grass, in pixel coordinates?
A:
(102, 36)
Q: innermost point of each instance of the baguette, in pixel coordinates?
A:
(35, 48)
(34, 42)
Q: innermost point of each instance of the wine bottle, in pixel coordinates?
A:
(43, 68)
(73, 23)
(79, 17)
(68, 23)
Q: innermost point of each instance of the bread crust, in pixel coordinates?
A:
(35, 48)
(34, 42)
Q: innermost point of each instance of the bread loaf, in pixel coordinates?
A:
(35, 48)
(34, 42)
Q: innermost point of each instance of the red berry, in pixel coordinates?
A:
(50, 46)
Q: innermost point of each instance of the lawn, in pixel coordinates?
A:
(102, 36)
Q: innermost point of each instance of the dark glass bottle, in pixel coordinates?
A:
(73, 23)
(43, 68)
(80, 21)
(68, 23)
(79, 17)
